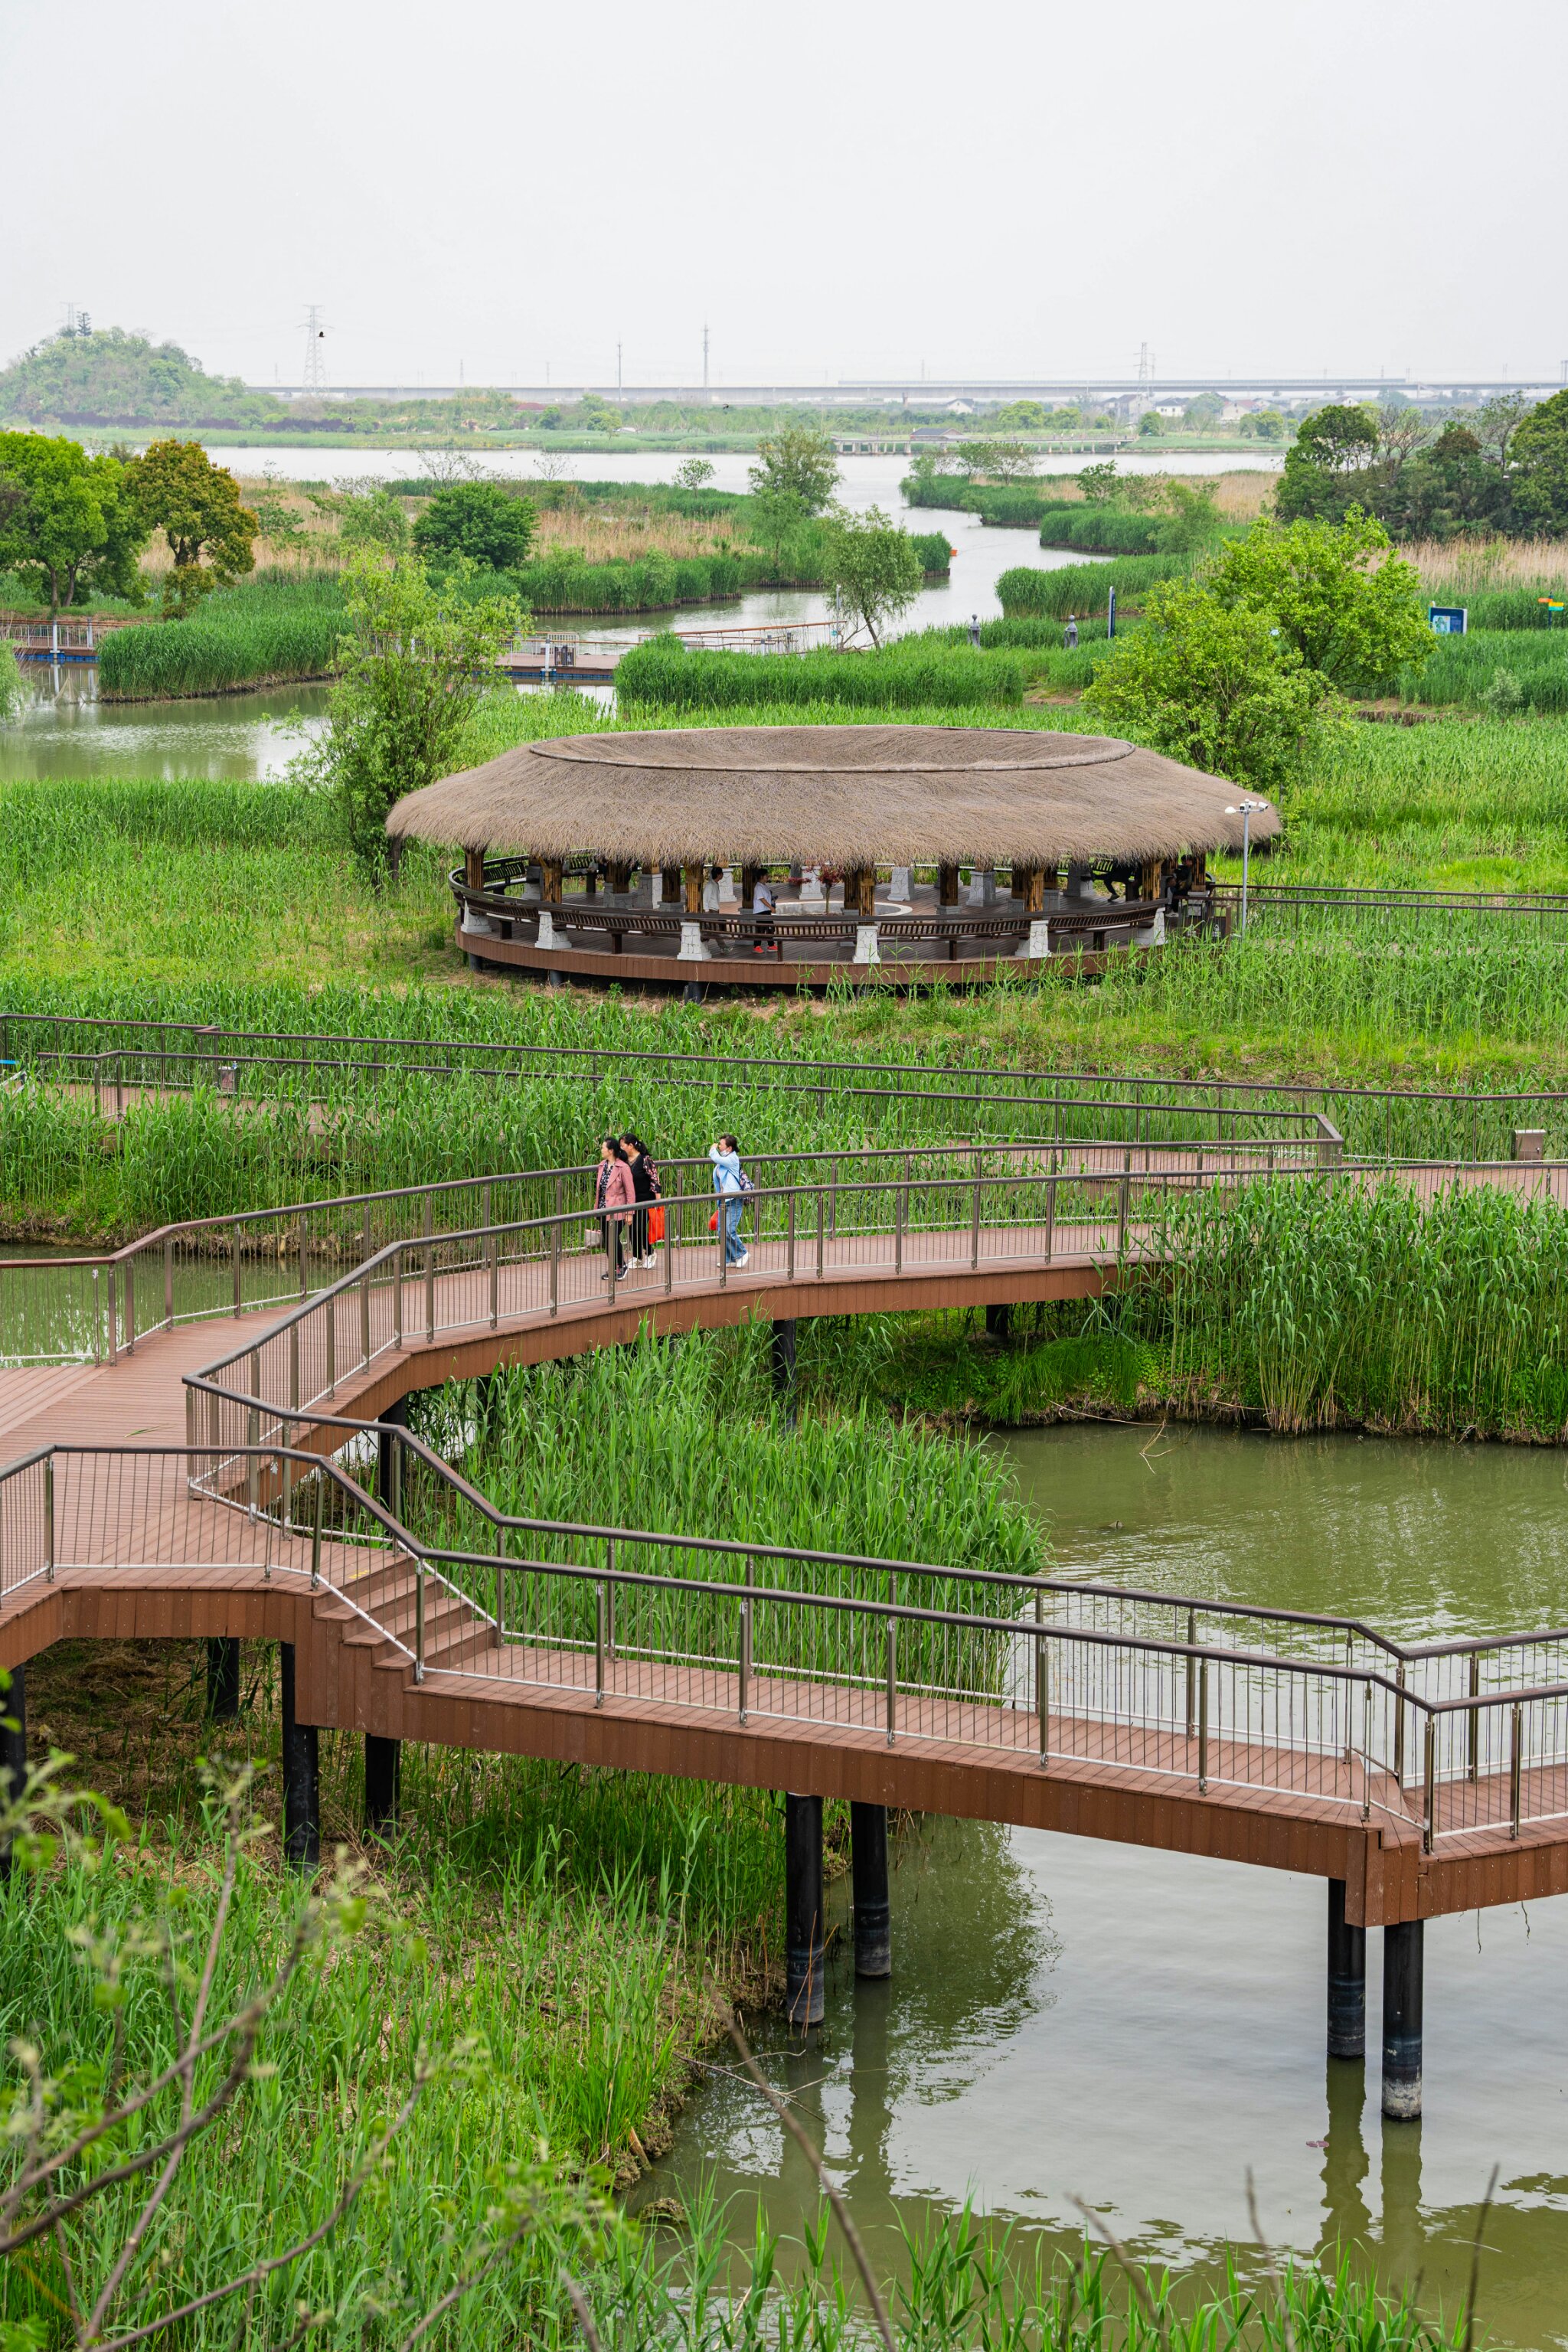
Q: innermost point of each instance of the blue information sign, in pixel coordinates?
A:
(1449, 620)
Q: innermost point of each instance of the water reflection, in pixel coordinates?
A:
(1143, 2029)
(66, 730)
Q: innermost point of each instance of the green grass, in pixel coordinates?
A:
(907, 675)
(263, 629)
(1526, 671)
(1029, 592)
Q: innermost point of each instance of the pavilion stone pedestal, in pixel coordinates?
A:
(866, 948)
(903, 884)
(1038, 942)
(547, 933)
(693, 947)
(813, 897)
(1151, 935)
(983, 886)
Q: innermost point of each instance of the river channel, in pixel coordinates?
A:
(66, 731)
(1137, 2028)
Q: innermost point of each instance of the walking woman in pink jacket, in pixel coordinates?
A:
(613, 1199)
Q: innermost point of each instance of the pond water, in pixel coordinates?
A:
(1069, 2018)
(66, 730)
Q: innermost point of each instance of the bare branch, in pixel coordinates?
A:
(1475, 2286)
(1135, 2279)
(1281, 2300)
(579, 2302)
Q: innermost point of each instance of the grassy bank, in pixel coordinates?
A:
(913, 673)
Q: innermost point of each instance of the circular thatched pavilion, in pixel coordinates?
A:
(776, 855)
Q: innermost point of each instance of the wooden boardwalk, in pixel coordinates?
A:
(139, 1554)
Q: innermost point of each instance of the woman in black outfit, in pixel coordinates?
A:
(645, 1191)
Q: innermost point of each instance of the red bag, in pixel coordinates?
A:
(713, 1222)
(655, 1221)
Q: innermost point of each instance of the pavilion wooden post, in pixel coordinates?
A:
(1029, 889)
(693, 947)
(474, 867)
(947, 886)
(1150, 878)
(749, 877)
(669, 885)
(860, 891)
(620, 880)
(548, 902)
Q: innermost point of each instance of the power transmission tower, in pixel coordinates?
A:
(1145, 365)
(315, 376)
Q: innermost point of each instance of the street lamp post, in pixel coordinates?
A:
(1246, 810)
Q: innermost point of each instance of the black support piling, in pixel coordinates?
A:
(301, 1778)
(1347, 1980)
(782, 1362)
(805, 1943)
(223, 1679)
(382, 1784)
(869, 1858)
(1403, 1956)
(999, 1322)
(13, 1747)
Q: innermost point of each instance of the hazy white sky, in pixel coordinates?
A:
(1009, 185)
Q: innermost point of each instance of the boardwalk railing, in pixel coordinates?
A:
(122, 1057)
(1438, 915)
(90, 1309)
(1445, 1739)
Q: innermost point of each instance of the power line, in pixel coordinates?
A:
(314, 378)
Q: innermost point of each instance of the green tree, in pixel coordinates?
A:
(693, 474)
(412, 670)
(1214, 685)
(1537, 451)
(1021, 416)
(1150, 425)
(70, 522)
(1328, 469)
(1101, 485)
(196, 505)
(774, 518)
(871, 565)
(371, 517)
(483, 523)
(1349, 605)
(799, 460)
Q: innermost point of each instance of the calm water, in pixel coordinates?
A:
(1137, 2028)
(65, 730)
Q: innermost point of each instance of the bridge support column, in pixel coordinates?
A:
(388, 1484)
(223, 1679)
(13, 1747)
(868, 1862)
(382, 1784)
(1403, 1956)
(1347, 1980)
(999, 1322)
(301, 1778)
(782, 1362)
(805, 1943)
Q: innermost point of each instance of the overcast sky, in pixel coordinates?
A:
(1012, 187)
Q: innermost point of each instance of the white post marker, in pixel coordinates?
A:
(691, 949)
(1246, 810)
(547, 937)
(866, 948)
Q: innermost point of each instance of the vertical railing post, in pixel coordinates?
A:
(49, 1527)
(1515, 1765)
(1473, 1740)
(1203, 1727)
(252, 1463)
(975, 1227)
(1042, 1682)
(1122, 1208)
(1192, 1674)
(233, 1256)
(397, 1297)
(109, 1319)
(304, 1254)
(331, 1338)
(1366, 1752)
(169, 1282)
(419, 1608)
(364, 1316)
(598, 1646)
(492, 1248)
(555, 1267)
(892, 1664)
(901, 1199)
(97, 1318)
(316, 1530)
(745, 1655)
(610, 1598)
(1429, 1778)
(1399, 1727)
(429, 1271)
(789, 1233)
(821, 1237)
(501, 1587)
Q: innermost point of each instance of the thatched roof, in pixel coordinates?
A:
(830, 795)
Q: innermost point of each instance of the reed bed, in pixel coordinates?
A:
(246, 635)
(1030, 591)
(1509, 669)
(1475, 567)
(907, 674)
